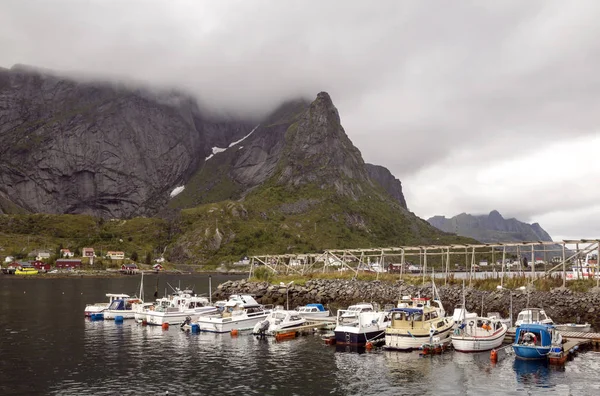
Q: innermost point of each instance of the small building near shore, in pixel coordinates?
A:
(157, 267)
(41, 266)
(129, 269)
(88, 252)
(68, 263)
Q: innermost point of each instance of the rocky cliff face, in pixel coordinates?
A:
(388, 181)
(490, 228)
(100, 149)
(318, 151)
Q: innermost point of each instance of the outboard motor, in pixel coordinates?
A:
(187, 321)
(262, 328)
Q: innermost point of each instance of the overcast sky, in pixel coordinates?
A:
(474, 105)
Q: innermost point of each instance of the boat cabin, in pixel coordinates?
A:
(410, 318)
(534, 335)
(123, 304)
(533, 315)
(312, 308)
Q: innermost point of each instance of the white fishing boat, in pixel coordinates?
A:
(417, 322)
(577, 327)
(313, 311)
(97, 308)
(278, 320)
(121, 307)
(533, 316)
(240, 312)
(478, 334)
(125, 307)
(182, 307)
(362, 327)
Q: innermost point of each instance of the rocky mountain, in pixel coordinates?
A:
(490, 228)
(97, 148)
(290, 182)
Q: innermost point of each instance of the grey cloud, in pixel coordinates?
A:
(415, 81)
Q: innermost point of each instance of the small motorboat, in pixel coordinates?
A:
(578, 327)
(277, 321)
(363, 328)
(478, 334)
(96, 308)
(313, 311)
(240, 312)
(122, 307)
(26, 271)
(534, 341)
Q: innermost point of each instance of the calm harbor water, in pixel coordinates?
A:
(47, 347)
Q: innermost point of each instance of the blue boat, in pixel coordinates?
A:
(535, 341)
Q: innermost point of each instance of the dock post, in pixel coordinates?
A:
(532, 264)
(564, 261)
(503, 264)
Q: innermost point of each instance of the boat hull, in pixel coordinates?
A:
(478, 344)
(525, 352)
(357, 339)
(174, 318)
(225, 325)
(584, 328)
(95, 309)
(112, 314)
(406, 342)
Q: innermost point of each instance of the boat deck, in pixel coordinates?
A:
(312, 325)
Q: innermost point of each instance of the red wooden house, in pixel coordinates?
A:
(41, 266)
(68, 263)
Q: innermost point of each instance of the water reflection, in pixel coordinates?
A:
(532, 372)
(47, 347)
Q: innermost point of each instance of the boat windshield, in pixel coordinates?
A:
(115, 304)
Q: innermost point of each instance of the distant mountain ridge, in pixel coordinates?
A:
(490, 228)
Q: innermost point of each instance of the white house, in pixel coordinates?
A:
(66, 253)
(42, 256)
(115, 255)
(9, 259)
(88, 252)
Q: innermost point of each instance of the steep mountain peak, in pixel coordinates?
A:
(318, 151)
(494, 214)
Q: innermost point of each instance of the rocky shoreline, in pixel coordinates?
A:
(562, 305)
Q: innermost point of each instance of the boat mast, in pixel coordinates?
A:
(142, 288)
(464, 304)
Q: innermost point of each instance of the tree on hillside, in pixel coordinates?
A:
(134, 256)
(149, 258)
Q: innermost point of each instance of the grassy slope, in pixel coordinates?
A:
(24, 233)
